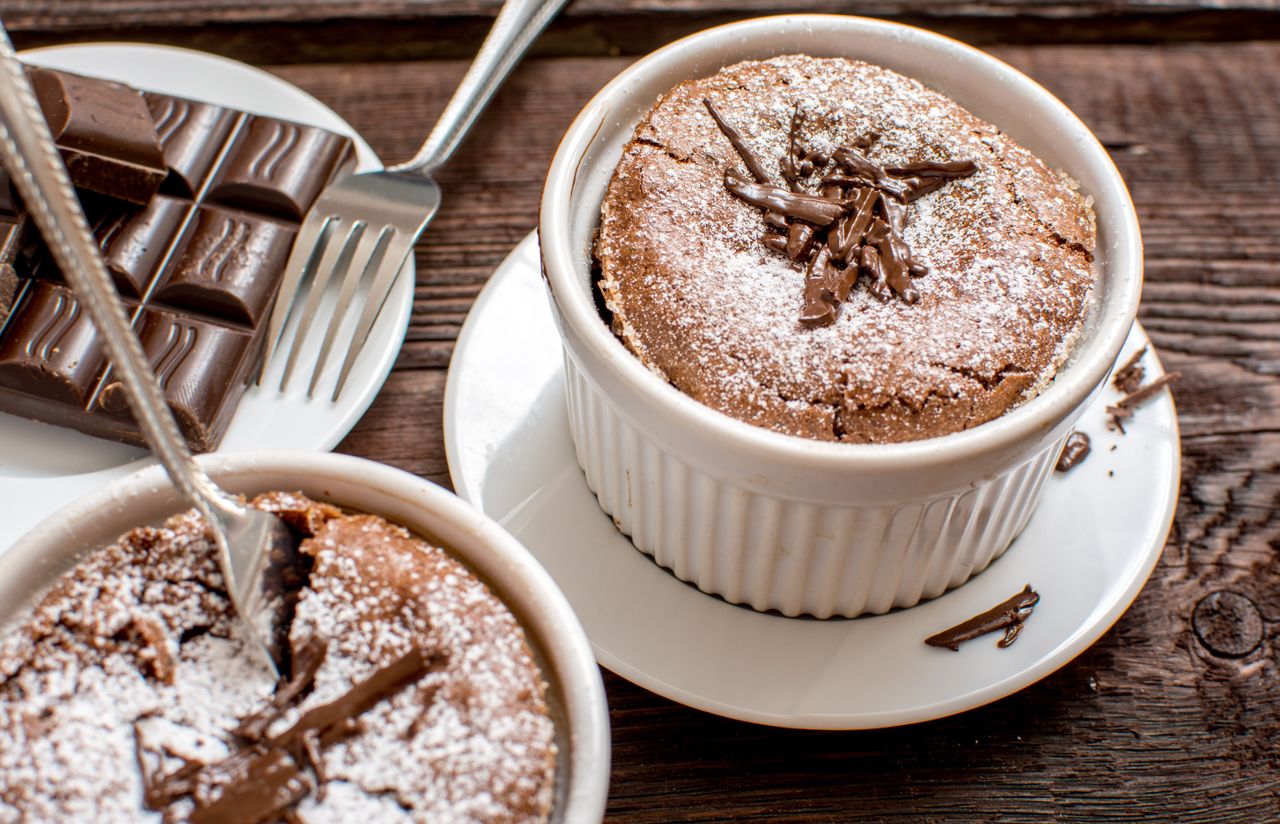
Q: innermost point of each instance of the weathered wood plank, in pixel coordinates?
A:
(364, 30)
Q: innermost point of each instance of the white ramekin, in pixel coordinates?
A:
(576, 694)
(779, 522)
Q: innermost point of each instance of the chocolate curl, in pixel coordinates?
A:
(739, 145)
(799, 240)
(776, 221)
(850, 229)
(949, 170)
(895, 260)
(819, 308)
(925, 176)
(869, 264)
(1008, 616)
(777, 243)
(798, 162)
(810, 208)
(1129, 376)
(860, 167)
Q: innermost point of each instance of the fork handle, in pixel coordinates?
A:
(518, 24)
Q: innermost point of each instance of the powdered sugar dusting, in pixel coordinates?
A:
(699, 298)
(138, 643)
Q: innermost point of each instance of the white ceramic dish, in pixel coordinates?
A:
(44, 467)
(785, 523)
(1088, 550)
(577, 693)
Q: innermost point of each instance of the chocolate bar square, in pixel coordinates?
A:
(199, 265)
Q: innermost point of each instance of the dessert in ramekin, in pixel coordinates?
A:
(795, 524)
(436, 673)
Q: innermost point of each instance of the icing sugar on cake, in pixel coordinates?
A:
(133, 662)
(698, 297)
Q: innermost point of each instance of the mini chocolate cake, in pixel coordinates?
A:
(129, 695)
(832, 250)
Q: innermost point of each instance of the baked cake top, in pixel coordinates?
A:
(699, 297)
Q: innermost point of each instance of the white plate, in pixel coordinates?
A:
(43, 467)
(1088, 550)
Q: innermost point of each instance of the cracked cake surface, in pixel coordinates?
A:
(132, 667)
(698, 298)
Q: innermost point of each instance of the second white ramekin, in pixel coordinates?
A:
(784, 523)
(576, 694)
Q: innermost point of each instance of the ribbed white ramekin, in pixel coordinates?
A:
(779, 522)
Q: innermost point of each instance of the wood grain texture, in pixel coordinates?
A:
(380, 30)
(1148, 725)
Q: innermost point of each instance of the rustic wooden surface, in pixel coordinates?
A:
(1175, 714)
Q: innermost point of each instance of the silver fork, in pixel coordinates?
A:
(250, 543)
(363, 227)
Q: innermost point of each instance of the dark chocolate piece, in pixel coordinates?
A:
(811, 209)
(1129, 376)
(205, 276)
(1074, 451)
(49, 348)
(278, 168)
(739, 145)
(104, 133)
(1008, 616)
(134, 243)
(196, 363)
(228, 264)
(192, 135)
(1124, 409)
(261, 782)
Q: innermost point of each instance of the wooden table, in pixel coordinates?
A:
(1175, 714)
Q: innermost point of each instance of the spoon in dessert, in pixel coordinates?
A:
(253, 547)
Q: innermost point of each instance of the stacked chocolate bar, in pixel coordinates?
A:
(195, 208)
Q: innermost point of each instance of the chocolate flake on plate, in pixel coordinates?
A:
(1126, 406)
(1008, 616)
(1074, 451)
(853, 224)
(1129, 377)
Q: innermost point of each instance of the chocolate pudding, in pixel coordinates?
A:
(832, 250)
(129, 693)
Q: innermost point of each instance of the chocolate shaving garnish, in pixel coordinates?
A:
(861, 167)
(777, 243)
(1128, 378)
(799, 241)
(264, 788)
(1008, 616)
(261, 782)
(1074, 451)
(798, 162)
(930, 168)
(797, 205)
(739, 145)
(306, 663)
(848, 232)
(818, 309)
(855, 224)
(1124, 408)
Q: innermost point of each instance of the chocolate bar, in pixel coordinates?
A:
(104, 132)
(198, 267)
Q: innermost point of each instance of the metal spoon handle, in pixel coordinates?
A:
(518, 24)
(29, 153)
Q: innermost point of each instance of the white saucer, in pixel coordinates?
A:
(44, 467)
(1088, 550)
